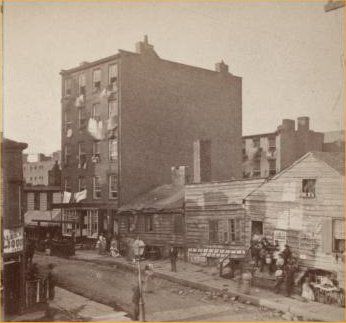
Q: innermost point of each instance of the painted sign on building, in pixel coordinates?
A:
(13, 240)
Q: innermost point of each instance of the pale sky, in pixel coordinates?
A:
(290, 56)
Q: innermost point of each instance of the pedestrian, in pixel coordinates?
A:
(148, 279)
(51, 278)
(29, 252)
(290, 271)
(286, 254)
(113, 250)
(135, 300)
(307, 291)
(173, 254)
(279, 278)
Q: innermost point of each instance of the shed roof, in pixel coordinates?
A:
(165, 197)
(29, 216)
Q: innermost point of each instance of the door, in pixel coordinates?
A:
(256, 227)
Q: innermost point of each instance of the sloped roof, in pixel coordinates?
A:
(220, 193)
(54, 215)
(335, 160)
(164, 197)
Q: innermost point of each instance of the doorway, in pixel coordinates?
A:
(256, 227)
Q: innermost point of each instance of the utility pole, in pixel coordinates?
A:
(333, 5)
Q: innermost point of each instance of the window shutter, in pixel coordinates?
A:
(327, 235)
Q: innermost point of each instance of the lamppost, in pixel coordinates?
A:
(138, 248)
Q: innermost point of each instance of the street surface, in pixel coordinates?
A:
(111, 286)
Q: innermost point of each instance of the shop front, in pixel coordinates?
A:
(13, 271)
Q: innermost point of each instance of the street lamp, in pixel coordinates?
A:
(138, 248)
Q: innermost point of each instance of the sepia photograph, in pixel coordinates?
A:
(173, 161)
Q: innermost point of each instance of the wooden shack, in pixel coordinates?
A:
(215, 219)
(157, 217)
(303, 207)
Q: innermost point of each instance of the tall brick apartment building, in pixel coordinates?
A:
(128, 118)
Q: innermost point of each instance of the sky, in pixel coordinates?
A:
(289, 55)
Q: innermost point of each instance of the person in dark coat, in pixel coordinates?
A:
(286, 254)
(173, 254)
(290, 270)
(51, 278)
(135, 300)
(29, 252)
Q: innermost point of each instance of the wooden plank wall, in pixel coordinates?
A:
(163, 229)
(279, 205)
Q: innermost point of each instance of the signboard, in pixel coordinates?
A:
(281, 237)
(13, 240)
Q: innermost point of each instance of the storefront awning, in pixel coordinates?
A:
(48, 218)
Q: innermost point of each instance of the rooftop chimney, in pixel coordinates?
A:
(202, 161)
(145, 47)
(179, 175)
(287, 125)
(303, 123)
(221, 67)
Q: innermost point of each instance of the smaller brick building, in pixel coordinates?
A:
(264, 155)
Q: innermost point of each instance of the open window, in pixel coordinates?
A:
(338, 235)
(308, 188)
(97, 80)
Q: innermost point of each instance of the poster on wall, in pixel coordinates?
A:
(281, 237)
(13, 240)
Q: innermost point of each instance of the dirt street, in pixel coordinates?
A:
(111, 286)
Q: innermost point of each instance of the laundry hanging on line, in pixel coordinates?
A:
(79, 101)
(95, 128)
(79, 196)
(66, 197)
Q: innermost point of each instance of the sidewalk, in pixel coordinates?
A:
(204, 278)
(68, 306)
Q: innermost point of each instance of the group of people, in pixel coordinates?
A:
(107, 244)
(279, 262)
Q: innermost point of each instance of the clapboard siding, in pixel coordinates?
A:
(163, 229)
(222, 201)
(278, 203)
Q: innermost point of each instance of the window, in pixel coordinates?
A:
(113, 186)
(68, 87)
(95, 111)
(81, 155)
(113, 150)
(213, 231)
(81, 118)
(256, 142)
(112, 74)
(82, 84)
(96, 187)
(130, 223)
(97, 80)
(225, 231)
(272, 167)
(234, 230)
(67, 185)
(338, 235)
(67, 154)
(272, 142)
(308, 188)
(81, 183)
(67, 120)
(96, 152)
(36, 201)
(112, 108)
(149, 223)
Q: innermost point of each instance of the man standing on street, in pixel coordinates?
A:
(135, 300)
(173, 254)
